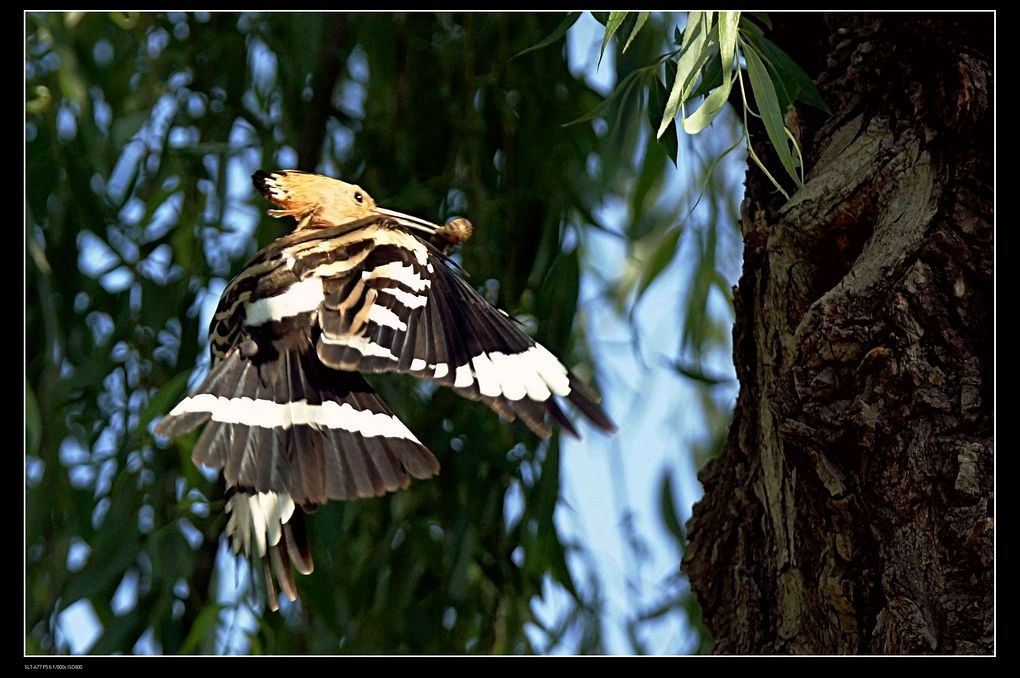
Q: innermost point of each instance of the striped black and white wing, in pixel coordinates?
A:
(282, 423)
(404, 309)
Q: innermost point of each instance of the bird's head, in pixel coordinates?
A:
(318, 201)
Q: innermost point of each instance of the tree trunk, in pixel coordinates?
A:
(851, 509)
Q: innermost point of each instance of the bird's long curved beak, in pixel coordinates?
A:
(407, 220)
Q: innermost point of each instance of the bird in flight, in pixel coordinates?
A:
(354, 289)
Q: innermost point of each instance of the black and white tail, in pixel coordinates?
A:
(291, 434)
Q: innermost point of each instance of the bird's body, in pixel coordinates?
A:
(289, 417)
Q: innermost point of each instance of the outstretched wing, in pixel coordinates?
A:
(405, 309)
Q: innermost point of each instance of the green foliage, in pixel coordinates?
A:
(711, 50)
(700, 119)
(558, 33)
(141, 132)
(612, 25)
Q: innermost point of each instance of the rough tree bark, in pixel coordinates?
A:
(851, 510)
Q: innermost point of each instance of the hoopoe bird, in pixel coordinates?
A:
(354, 289)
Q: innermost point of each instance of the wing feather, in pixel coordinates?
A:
(406, 310)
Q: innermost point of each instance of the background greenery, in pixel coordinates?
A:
(142, 130)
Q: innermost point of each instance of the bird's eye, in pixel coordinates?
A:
(358, 198)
